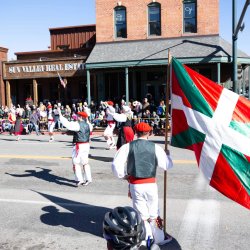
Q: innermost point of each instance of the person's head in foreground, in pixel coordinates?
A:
(123, 228)
(142, 129)
(82, 115)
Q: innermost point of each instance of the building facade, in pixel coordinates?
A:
(36, 75)
(125, 54)
(133, 38)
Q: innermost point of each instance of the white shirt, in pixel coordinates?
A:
(110, 111)
(73, 126)
(119, 165)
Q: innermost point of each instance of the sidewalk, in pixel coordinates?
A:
(96, 131)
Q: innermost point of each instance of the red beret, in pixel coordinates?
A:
(110, 103)
(83, 114)
(49, 107)
(142, 127)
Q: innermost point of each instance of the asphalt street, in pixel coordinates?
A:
(41, 208)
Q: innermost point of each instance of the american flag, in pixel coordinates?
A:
(61, 80)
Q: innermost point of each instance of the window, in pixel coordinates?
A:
(189, 16)
(120, 22)
(154, 19)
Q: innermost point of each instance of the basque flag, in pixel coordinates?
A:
(61, 80)
(215, 123)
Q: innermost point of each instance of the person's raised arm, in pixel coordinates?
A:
(73, 126)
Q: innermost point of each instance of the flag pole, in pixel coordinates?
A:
(166, 139)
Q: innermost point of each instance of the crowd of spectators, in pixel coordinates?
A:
(34, 118)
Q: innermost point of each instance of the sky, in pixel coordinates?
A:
(24, 24)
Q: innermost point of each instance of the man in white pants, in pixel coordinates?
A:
(108, 132)
(80, 153)
(137, 162)
(51, 123)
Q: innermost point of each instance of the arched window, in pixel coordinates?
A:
(189, 16)
(120, 22)
(154, 19)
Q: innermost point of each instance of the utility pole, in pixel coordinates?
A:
(236, 29)
(234, 41)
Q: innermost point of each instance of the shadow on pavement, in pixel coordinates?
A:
(101, 158)
(45, 175)
(101, 148)
(173, 245)
(80, 216)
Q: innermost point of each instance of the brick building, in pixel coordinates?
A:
(133, 38)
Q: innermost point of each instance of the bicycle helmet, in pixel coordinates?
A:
(123, 228)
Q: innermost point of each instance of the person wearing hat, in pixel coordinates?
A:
(108, 132)
(137, 162)
(126, 133)
(80, 154)
(51, 122)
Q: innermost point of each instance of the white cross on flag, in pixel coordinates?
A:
(215, 123)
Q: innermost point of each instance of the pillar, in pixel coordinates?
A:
(35, 92)
(8, 94)
(127, 87)
(88, 87)
(218, 73)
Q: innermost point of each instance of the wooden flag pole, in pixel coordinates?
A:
(166, 139)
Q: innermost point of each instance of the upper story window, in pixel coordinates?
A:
(154, 19)
(189, 16)
(120, 22)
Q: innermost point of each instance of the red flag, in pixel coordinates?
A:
(215, 123)
(61, 80)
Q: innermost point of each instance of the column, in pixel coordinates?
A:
(2, 92)
(127, 87)
(88, 87)
(35, 92)
(8, 94)
(218, 73)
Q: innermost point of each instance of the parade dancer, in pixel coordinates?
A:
(137, 162)
(80, 153)
(51, 123)
(18, 128)
(108, 132)
(126, 133)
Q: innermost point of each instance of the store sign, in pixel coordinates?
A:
(45, 68)
(41, 69)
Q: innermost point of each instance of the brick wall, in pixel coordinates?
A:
(171, 19)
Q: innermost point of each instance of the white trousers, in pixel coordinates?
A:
(108, 132)
(51, 126)
(145, 201)
(80, 159)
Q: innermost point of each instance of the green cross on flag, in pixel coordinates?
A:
(215, 123)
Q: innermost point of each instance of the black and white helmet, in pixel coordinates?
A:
(123, 228)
